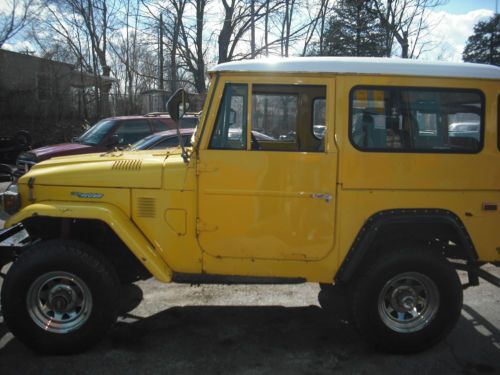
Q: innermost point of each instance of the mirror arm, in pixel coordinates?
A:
(184, 154)
(173, 109)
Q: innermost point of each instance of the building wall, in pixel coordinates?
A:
(34, 87)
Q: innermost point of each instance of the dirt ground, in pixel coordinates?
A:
(258, 329)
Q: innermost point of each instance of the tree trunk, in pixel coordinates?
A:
(405, 46)
(252, 28)
(160, 58)
(266, 29)
(226, 31)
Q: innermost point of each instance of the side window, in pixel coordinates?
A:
(131, 131)
(158, 126)
(230, 131)
(414, 119)
(288, 117)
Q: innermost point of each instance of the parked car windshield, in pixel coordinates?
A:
(144, 143)
(96, 133)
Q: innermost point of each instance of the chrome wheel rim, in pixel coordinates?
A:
(59, 302)
(408, 302)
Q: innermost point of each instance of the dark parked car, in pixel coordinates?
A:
(10, 147)
(106, 134)
(170, 138)
(165, 139)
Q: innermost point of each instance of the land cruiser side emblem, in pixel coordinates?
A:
(87, 195)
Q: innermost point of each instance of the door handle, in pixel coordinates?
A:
(326, 197)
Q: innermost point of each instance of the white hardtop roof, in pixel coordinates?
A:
(362, 65)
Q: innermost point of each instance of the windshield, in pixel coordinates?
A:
(143, 143)
(96, 133)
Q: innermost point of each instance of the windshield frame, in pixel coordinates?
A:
(202, 122)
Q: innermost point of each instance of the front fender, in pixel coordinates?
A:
(112, 216)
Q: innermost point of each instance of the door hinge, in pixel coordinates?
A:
(203, 227)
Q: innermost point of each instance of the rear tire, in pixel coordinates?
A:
(408, 300)
(60, 297)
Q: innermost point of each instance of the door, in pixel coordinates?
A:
(266, 180)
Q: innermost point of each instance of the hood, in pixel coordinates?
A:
(47, 152)
(119, 169)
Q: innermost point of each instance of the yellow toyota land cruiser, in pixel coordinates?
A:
(341, 171)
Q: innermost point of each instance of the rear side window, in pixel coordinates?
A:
(416, 120)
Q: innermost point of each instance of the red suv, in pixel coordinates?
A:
(107, 133)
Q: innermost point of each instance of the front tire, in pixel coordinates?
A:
(408, 300)
(60, 297)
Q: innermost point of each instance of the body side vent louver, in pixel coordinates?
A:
(127, 165)
(146, 207)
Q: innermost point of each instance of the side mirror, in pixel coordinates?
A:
(113, 141)
(6, 174)
(176, 105)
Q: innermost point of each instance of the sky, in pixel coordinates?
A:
(453, 24)
(464, 6)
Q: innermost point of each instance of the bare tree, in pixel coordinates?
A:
(252, 28)
(176, 15)
(170, 33)
(192, 48)
(15, 19)
(63, 38)
(125, 50)
(237, 22)
(91, 21)
(318, 22)
(266, 29)
(286, 26)
(406, 21)
(291, 22)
